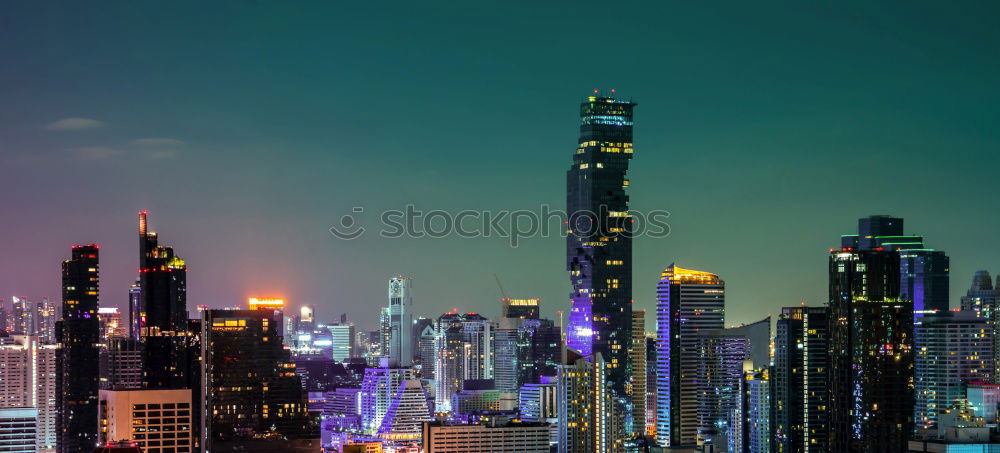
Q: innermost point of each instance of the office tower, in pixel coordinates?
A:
(598, 246)
(28, 380)
(723, 353)
(342, 336)
(158, 421)
(46, 317)
(505, 349)
(650, 395)
(167, 348)
(478, 399)
(637, 388)
(799, 379)
(251, 388)
(520, 308)
(135, 310)
(385, 332)
(750, 428)
(307, 319)
(393, 403)
(688, 301)
(981, 297)
(464, 351)
(954, 349)
(111, 324)
(509, 437)
(401, 320)
(18, 429)
(871, 339)
(923, 277)
(423, 352)
(77, 357)
(5, 320)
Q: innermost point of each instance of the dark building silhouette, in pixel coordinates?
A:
(799, 380)
(77, 360)
(871, 339)
(598, 246)
(252, 390)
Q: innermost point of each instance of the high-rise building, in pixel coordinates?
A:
(463, 351)
(723, 354)
(393, 403)
(637, 387)
(871, 337)
(385, 332)
(251, 388)
(24, 316)
(425, 346)
(121, 364)
(981, 297)
(401, 320)
(520, 308)
(342, 338)
(78, 358)
(923, 277)
(591, 417)
(954, 349)
(46, 317)
(28, 380)
(158, 421)
(799, 379)
(688, 302)
(538, 402)
(168, 350)
(651, 383)
(750, 425)
(135, 310)
(598, 245)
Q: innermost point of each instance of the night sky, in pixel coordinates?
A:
(247, 129)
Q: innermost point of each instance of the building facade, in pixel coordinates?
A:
(688, 302)
(78, 335)
(598, 246)
(158, 421)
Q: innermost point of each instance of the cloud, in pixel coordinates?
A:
(158, 141)
(74, 124)
(95, 152)
(158, 154)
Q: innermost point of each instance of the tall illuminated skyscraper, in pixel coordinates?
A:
(799, 379)
(598, 246)
(871, 339)
(401, 321)
(77, 360)
(688, 301)
(638, 385)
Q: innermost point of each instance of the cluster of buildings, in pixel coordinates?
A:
(887, 365)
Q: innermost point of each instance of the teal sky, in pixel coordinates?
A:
(248, 128)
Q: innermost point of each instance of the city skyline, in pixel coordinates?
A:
(772, 108)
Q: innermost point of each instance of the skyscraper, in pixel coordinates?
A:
(954, 349)
(463, 351)
(923, 276)
(723, 355)
(981, 297)
(401, 321)
(24, 316)
(46, 317)
(520, 308)
(28, 380)
(799, 380)
(688, 301)
(871, 339)
(637, 387)
(167, 348)
(393, 403)
(251, 388)
(598, 243)
(77, 359)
